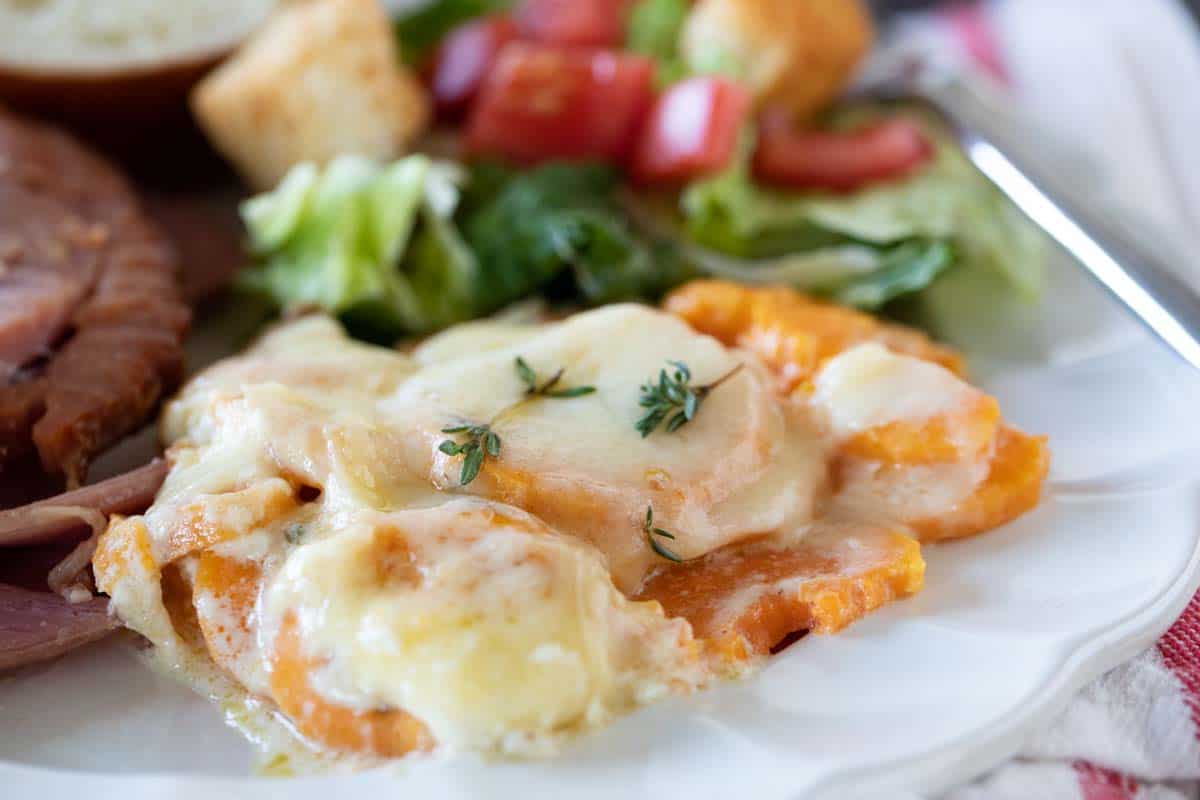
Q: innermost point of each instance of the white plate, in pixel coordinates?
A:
(919, 696)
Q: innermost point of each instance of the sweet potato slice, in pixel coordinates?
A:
(387, 733)
(127, 571)
(226, 591)
(123, 554)
(792, 333)
(177, 596)
(964, 434)
(1013, 486)
(221, 518)
(746, 599)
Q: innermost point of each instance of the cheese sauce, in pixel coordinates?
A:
(869, 386)
(309, 494)
(494, 630)
(579, 465)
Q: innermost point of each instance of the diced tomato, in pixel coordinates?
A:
(586, 23)
(692, 130)
(541, 102)
(463, 60)
(839, 162)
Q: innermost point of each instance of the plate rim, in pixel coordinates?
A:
(973, 754)
(951, 764)
(1073, 661)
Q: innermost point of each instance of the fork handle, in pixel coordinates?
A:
(1136, 271)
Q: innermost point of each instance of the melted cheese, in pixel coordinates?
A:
(507, 633)
(881, 493)
(869, 386)
(500, 621)
(472, 339)
(580, 465)
(494, 630)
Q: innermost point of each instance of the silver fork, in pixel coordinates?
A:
(1134, 269)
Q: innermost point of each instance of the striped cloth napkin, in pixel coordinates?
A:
(1120, 78)
(1134, 734)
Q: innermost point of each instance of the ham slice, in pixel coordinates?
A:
(21, 404)
(91, 315)
(35, 626)
(67, 516)
(36, 307)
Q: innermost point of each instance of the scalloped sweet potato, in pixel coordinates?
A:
(796, 335)
(874, 445)
(792, 333)
(227, 516)
(963, 435)
(123, 549)
(744, 600)
(231, 586)
(387, 734)
(1012, 487)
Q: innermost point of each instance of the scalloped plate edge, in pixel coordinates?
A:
(990, 745)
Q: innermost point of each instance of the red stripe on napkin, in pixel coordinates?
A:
(1097, 783)
(1180, 650)
(970, 24)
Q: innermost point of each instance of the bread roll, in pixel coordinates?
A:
(115, 68)
(107, 36)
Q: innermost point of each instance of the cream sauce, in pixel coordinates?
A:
(503, 629)
(869, 386)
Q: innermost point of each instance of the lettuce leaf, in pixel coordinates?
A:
(417, 245)
(404, 248)
(904, 269)
(560, 228)
(376, 244)
(946, 215)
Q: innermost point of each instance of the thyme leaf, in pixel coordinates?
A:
(653, 535)
(294, 533)
(672, 398)
(480, 443)
(549, 388)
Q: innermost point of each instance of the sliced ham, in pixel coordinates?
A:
(22, 402)
(36, 307)
(92, 319)
(70, 515)
(35, 626)
(72, 577)
(105, 384)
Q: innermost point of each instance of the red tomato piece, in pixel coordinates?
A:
(463, 60)
(579, 23)
(692, 130)
(839, 162)
(541, 102)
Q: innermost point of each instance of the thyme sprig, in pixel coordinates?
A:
(672, 398)
(550, 387)
(653, 535)
(481, 441)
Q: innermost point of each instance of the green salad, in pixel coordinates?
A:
(419, 244)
